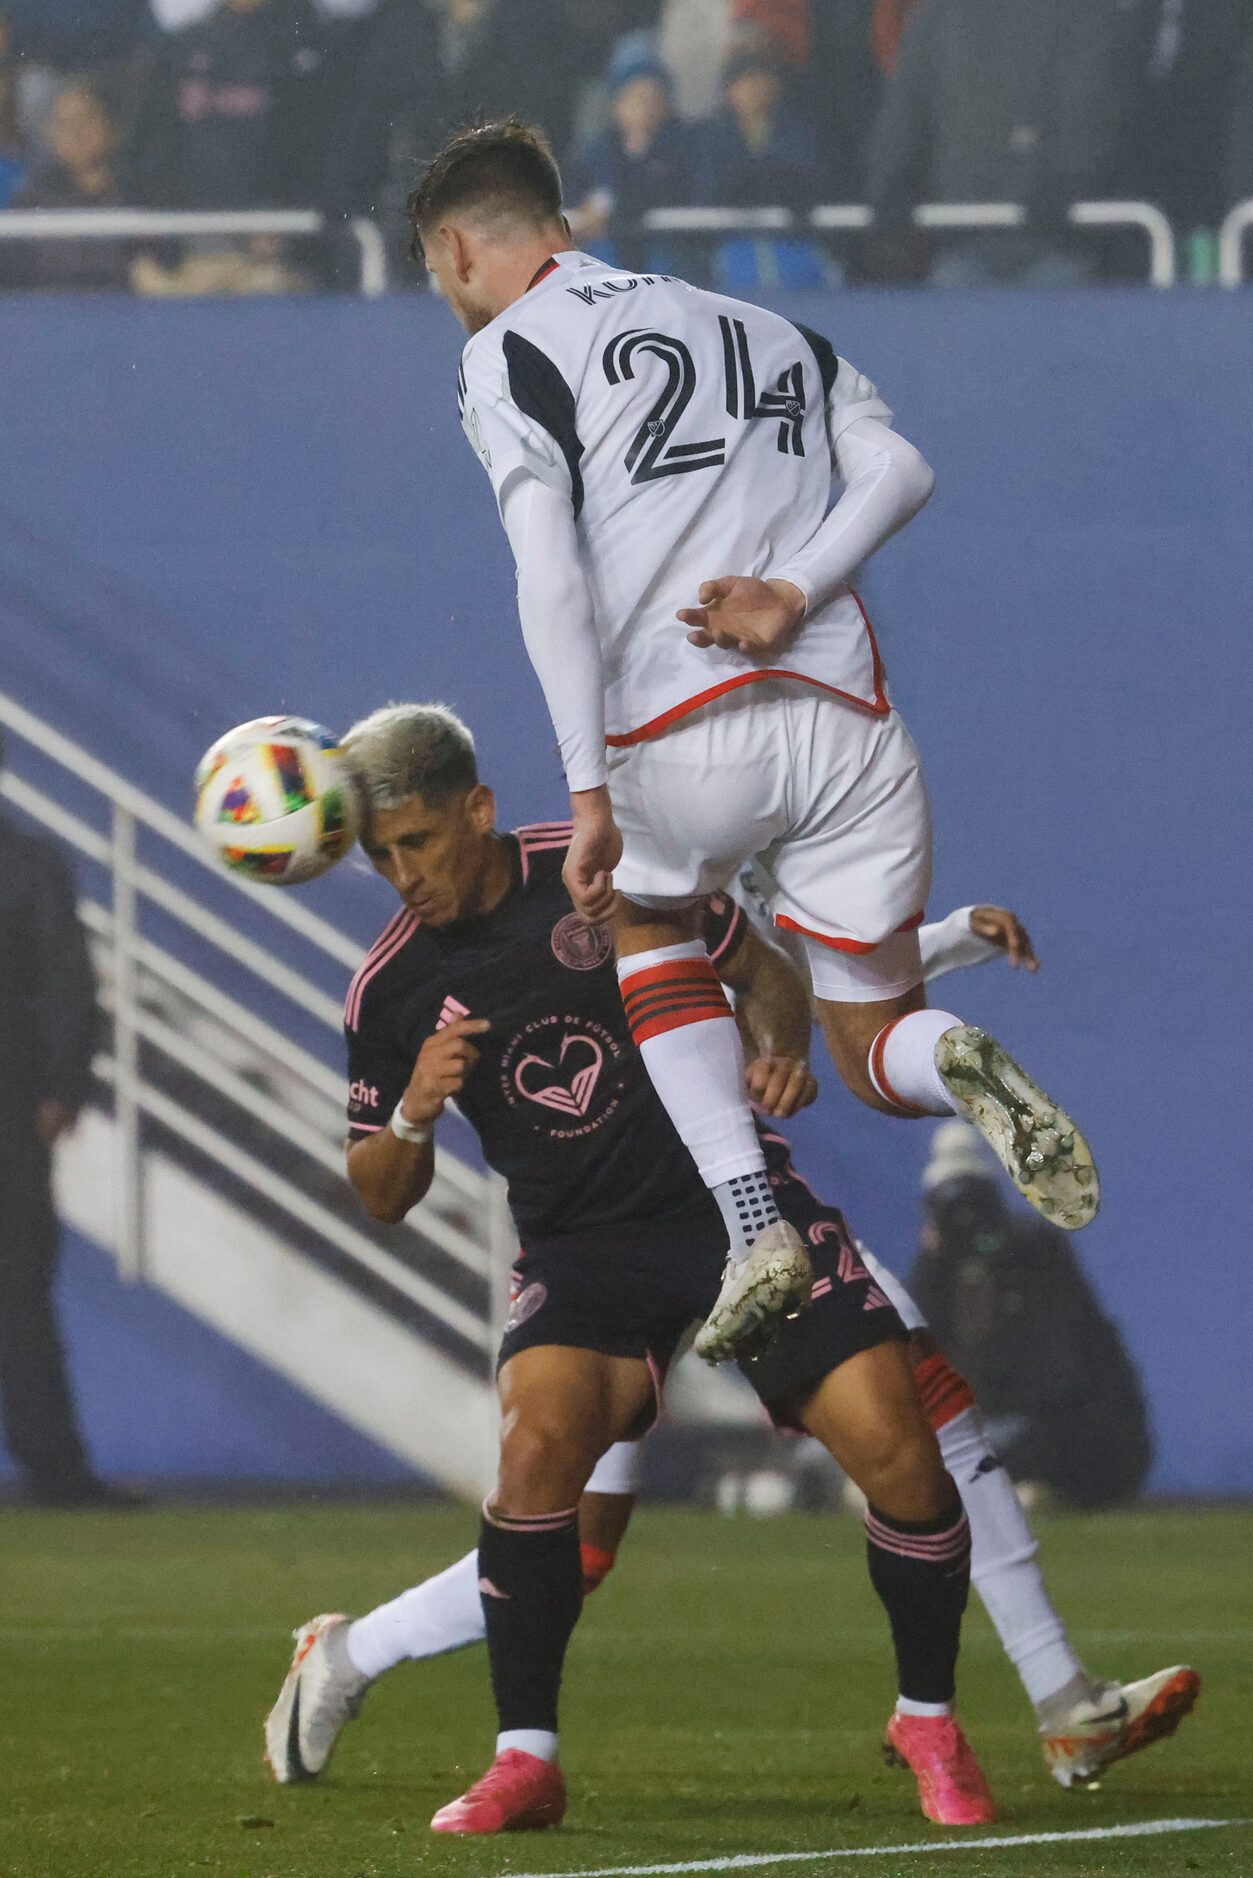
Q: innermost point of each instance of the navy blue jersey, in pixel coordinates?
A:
(559, 1098)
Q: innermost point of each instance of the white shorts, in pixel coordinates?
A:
(829, 799)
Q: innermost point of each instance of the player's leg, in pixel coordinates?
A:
(842, 1373)
(1086, 1722)
(337, 1658)
(605, 1510)
(851, 878)
(561, 1407)
(691, 806)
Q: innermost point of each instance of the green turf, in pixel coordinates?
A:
(725, 1695)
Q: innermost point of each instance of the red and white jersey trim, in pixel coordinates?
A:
(878, 702)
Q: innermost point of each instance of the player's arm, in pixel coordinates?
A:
(886, 482)
(559, 628)
(389, 1173)
(519, 415)
(772, 1005)
(972, 935)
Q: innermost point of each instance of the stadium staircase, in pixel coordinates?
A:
(211, 1163)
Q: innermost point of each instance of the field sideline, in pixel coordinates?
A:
(724, 1700)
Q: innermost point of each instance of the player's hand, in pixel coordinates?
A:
(443, 1066)
(1006, 930)
(595, 850)
(780, 1085)
(740, 614)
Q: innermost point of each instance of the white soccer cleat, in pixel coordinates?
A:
(1036, 1142)
(1120, 1719)
(772, 1281)
(321, 1692)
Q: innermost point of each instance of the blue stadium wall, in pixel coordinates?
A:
(207, 511)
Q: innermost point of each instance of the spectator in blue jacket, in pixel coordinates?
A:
(642, 161)
(759, 153)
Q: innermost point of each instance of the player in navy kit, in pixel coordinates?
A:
(487, 987)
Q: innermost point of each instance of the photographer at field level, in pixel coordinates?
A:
(48, 1024)
(1007, 1300)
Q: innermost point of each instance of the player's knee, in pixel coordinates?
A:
(902, 1473)
(857, 1082)
(540, 1462)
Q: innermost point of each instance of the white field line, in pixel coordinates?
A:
(744, 1861)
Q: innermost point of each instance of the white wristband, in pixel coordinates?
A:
(416, 1133)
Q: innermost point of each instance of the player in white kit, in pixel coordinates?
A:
(641, 435)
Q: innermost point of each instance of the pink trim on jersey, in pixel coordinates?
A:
(390, 941)
(540, 838)
(366, 1128)
(878, 705)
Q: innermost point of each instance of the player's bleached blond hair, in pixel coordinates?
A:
(404, 750)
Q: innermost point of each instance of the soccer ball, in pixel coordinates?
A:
(276, 800)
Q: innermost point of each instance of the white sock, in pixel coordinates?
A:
(1003, 1563)
(902, 1062)
(747, 1207)
(697, 1068)
(537, 1741)
(905, 1707)
(443, 1613)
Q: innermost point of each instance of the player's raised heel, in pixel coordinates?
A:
(1036, 1142)
(773, 1282)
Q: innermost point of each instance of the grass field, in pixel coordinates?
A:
(725, 1696)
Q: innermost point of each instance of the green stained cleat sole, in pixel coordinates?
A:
(1036, 1142)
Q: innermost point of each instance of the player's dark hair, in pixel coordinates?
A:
(503, 168)
(408, 750)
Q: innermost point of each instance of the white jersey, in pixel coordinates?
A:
(694, 436)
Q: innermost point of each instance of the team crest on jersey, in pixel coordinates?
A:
(527, 1301)
(579, 946)
(561, 1068)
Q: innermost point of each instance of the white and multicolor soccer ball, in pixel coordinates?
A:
(277, 801)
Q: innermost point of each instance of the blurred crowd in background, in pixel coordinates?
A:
(330, 105)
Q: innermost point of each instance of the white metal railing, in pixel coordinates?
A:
(841, 217)
(1231, 239)
(163, 224)
(463, 1216)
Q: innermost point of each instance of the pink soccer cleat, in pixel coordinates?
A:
(518, 1793)
(951, 1786)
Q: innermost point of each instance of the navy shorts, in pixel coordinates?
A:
(636, 1291)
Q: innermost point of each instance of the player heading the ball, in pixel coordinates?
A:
(662, 460)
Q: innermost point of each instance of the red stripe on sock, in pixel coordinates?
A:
(944, 1390)
(670, 995)
(878, 1075)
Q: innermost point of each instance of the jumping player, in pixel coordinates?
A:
(642, 435)
(488, 987)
